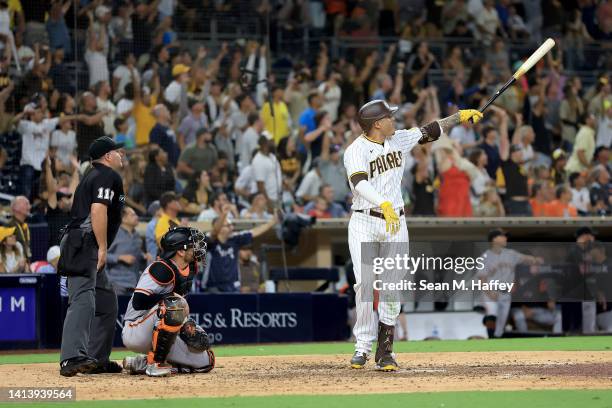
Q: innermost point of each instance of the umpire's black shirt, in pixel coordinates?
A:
(103, 185)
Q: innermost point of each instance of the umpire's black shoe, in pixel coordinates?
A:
(104, 367)
(73, 366)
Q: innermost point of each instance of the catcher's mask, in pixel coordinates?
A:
(183, 238)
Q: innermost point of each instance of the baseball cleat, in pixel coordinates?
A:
(387, 363)
(73, 366)
(359, 360)
(135, 364)
(159, 370)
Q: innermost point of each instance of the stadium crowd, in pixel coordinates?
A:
(213, 130)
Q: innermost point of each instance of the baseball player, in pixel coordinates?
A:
(500, 265)
(375, 163)
(157, 318)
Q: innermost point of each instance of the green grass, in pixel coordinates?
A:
(498, 399)
(595, 343)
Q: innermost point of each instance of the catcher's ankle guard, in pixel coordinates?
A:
(171, 313)
(194, 336)
(385, 340)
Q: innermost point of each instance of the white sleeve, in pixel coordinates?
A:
(25, 127)
(258, 169)
(51, 124)
(304, 185)
(408, 138)
(367, 191)
(355, 161)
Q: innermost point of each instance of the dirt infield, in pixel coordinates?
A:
(330, 374)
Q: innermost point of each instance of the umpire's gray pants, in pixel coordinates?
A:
(89, 326)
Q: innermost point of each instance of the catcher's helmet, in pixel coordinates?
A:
(373, 111)
(183, 238)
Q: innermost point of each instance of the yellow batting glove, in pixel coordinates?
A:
(467, 114)
(391, 217)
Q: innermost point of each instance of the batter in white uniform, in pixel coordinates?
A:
(157, 320)
(375, 163)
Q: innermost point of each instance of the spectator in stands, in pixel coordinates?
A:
(200, 156)
(327, 195)
(105, 104)
(98, 45)
(422, 187)
(222, 176)
(516, 25)
(245, 186)
(249, 140)
(515, 175)
(251, 279)
(289, 162)
(561, 206)
(455, 180)
(604, 126)
(191, 124)
(122, 75)
(558, 172)
(163, 135)
(125, 259)
(12, 256)
(144, 102)
(224, 248)
(53, 255)
(35, 133)
(584, 147)
(121, 29)
(523, 137)
(90, 126)
(314, 139)
(452, 12)
(195, 197)
(570, 112)
(602, 156)
(225, 146)
(602, 94)
(497, 56)
(258, 208)
(158, 176)
(580, 193)
(173, 92)
(155, 212)
(267, 171)
(307, 120)
(333, 171)
(490, 146)
(310, 185)
(279, 125)
(57, 72)
(64, 140)
(464, 135)
(59, 202)
(481, 180)
(419, 65)
(123, 135)
(218, 203)
(601, 200)
(490, 205)
(540, 198)
(488, 23)
(331, 94)
(170, 208)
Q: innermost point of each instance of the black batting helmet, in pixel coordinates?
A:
(183, 238)
(373, 111)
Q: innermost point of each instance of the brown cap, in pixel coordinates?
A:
(373, 111)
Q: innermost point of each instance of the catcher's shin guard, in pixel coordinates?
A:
(171, 313)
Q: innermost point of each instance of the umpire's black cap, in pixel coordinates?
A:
(101, 146)
(373, 111)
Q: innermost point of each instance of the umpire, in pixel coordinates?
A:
(89, 326)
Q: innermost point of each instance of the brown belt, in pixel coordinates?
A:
(376, 213)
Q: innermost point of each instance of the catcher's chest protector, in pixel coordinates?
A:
(182, 279)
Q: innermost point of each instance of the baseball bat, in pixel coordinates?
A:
(531, 61)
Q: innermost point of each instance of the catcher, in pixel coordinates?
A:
(157, 319)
